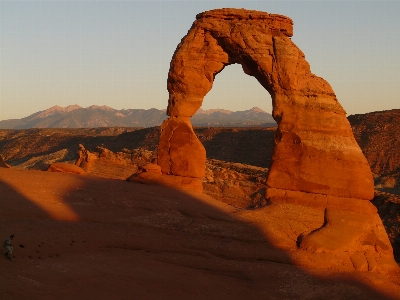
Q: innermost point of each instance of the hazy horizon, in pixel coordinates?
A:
(117, 53)
(71, 107)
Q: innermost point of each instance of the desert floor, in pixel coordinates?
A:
(81, 237)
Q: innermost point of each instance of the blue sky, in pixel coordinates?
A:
(117, 53)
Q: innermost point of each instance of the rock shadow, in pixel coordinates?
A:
(151, 242)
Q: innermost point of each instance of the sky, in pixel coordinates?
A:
(117, 53)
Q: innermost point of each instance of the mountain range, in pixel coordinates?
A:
(75, 116)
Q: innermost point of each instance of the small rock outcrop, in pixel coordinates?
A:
(117, 165)
(3, 164)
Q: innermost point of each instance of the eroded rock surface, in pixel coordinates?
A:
(314, 142)
(317, 164)
(180, 153)
(117, 165)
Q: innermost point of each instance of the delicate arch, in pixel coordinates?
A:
(315, 150)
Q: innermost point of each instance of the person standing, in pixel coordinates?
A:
(8, 245)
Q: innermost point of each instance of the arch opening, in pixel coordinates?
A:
(234, 90)
(237, 136)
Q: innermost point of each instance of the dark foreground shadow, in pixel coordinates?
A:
(90, 238)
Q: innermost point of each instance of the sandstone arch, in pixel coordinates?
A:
(315, 150)
(318, 172)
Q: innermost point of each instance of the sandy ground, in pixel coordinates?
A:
(80, 237)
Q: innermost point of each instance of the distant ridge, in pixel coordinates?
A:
(75, 116)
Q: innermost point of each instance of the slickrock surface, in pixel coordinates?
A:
(314, 141)
(82, 237)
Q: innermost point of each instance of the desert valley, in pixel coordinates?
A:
(307, 208)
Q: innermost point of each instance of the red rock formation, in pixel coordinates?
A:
(317, 166)
(314, 143)
(180, 153)
(107, 164)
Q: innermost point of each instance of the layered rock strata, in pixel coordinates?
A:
(107, 164)
(316, 162)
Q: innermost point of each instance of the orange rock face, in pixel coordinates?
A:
(317, 166)
(315, 149)
(180, 153)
